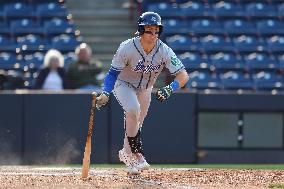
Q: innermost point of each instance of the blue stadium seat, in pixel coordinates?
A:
(18, 11)
(203, 80)
(261, 62)
(69, 58)
(281, 10)
(224, 9)
(58, 26)
(268, 81)
(4, 29)
(261, 10)
(50, 10)
(7, 44)
(192, 9)
(195, 61)
(165, 10)
(234, 80)
(275, 44)
(180, 43)
(8, 61)
(247, 44)
(34, 61)
(25, 26)
(205, 27)
(30, 43)
(175, 26)
(65, 43)
(239, 27)
(213, 43)
(280, 59)
(227, 61)
(270, 27)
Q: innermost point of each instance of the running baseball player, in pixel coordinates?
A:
(133, 72)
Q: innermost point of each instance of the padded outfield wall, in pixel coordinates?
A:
(43, 128)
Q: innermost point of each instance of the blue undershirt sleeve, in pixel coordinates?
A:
(110, 80)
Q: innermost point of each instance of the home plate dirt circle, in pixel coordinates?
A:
(40, 177)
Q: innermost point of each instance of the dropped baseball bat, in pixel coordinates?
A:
(87, 153)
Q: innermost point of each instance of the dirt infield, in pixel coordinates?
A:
(17, 177)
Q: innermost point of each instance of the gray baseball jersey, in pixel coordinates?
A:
(140, 69)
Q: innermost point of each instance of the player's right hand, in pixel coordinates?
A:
(102, 100)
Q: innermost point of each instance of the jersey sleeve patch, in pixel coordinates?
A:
(175, 61)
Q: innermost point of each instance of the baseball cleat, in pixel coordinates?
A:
(129, 161)
(142, 163)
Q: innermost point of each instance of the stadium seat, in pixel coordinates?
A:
(224, 9)
(233, 80)
(7, 44)
(281, 10)
(195, 61)
(25, 26)
(270, 27)
(275, 44)
(34, 61)
(58, 26)
(261, 10)
(8, 61)
(192, 9)
(239, 27)
(18, 10)
(280, 59)
(65, 43)
(30, 43)
(4, 29)
(227, 61)
(175, 26)
(205, 27)
(213, 43)
(165, 10)
(261, 62)
(69, 58)
(268, 81)
(50, 10)
(182, 44)
(202, 80)
(247, 44)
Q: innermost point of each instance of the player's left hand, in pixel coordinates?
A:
(102, 100)
(164, 93)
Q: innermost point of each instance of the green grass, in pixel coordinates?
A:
(276, 185)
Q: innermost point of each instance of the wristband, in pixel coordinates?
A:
(174, 85)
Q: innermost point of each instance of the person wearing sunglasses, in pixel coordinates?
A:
(133, 72)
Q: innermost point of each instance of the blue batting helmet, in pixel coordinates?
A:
(149, 19)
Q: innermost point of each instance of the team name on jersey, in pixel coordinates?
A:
(140, 67)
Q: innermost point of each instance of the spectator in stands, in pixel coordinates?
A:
(83, 74)
(52, 75)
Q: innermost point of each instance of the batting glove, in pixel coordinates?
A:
(102, 100)
(164, 93)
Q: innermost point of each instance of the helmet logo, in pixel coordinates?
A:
(153, 19)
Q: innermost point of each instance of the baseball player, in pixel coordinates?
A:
(133, 72)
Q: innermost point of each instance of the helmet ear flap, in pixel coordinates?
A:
(140, 29)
